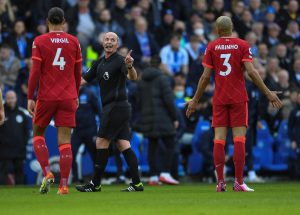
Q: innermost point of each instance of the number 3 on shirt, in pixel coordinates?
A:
(59, 61)
(226, 63)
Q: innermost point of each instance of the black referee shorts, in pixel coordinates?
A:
(114, 122)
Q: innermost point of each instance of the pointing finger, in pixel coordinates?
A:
(129, 53)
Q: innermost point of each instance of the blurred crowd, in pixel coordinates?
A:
(178, 32)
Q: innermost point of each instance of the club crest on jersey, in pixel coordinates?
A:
(106, 76)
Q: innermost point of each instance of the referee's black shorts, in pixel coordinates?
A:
(114, 122)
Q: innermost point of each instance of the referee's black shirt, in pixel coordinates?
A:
(111, 74)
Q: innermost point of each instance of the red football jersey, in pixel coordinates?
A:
(58, 53)
(226, 56)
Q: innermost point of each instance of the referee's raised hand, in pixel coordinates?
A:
(128, 59)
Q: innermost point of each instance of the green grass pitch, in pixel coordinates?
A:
(198, 199)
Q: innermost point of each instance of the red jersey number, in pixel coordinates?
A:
(59, 60)
(226, 63)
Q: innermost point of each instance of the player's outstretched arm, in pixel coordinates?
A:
(132, 75)
(202, 84)
(271, 95)
(2, 114)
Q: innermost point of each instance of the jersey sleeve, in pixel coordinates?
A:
(91, 74)
(78, 55)
(36, 54)
(247, 54)
(207, 58)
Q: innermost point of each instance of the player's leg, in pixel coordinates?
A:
(65, 121)
(220, 123)
(239, 123)
(102, 155)
(132, 162)
(220, 156)
(43, 115)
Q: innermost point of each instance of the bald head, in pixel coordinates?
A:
(110, 43)
(11, 99)
(224, 26)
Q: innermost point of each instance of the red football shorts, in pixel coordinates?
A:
(63, 113)
(231, 115)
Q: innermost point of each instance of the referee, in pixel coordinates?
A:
(111, 71)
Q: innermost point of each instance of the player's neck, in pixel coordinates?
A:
(56, 28)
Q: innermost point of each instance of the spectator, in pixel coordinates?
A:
(200, 7)
(7, 16)
(13, 140)
(81, 21)
(270, 16)
(180, 29)
(86, 127)
(217, 8)
(119, 12)
(9, 67)
(158, 119)
(256, 10)
(163, 32)
(258, 29)
(253, 112)
(293, 31)
(272, 73)
(294, 135)
(22, 85)
(174, 58)
(290, 13)
(134, 13)
(146, 7)
(285, 87)
(106, 24)
(142, 42)
(244, 25)
(281, 54)
(99, 6)
(273, 35)
(295, 74)
(251, 38)
(263, 54)
(195, 51)
(20, 42)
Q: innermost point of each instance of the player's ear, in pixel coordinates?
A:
(64, 21)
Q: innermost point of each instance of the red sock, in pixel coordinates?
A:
(65, 163)
(219, 158)
(239, 158)
(41, 153)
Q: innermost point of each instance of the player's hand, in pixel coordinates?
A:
(82, 82)
(273, 98)
(128, 59)
(191, 107)
(77, 103)
(31, 107)
(2, 117)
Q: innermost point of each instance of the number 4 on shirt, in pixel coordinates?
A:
(59, 61)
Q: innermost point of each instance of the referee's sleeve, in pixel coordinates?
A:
(91, 74)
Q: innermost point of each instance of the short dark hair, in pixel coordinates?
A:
(56, 16)
(155, 61)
